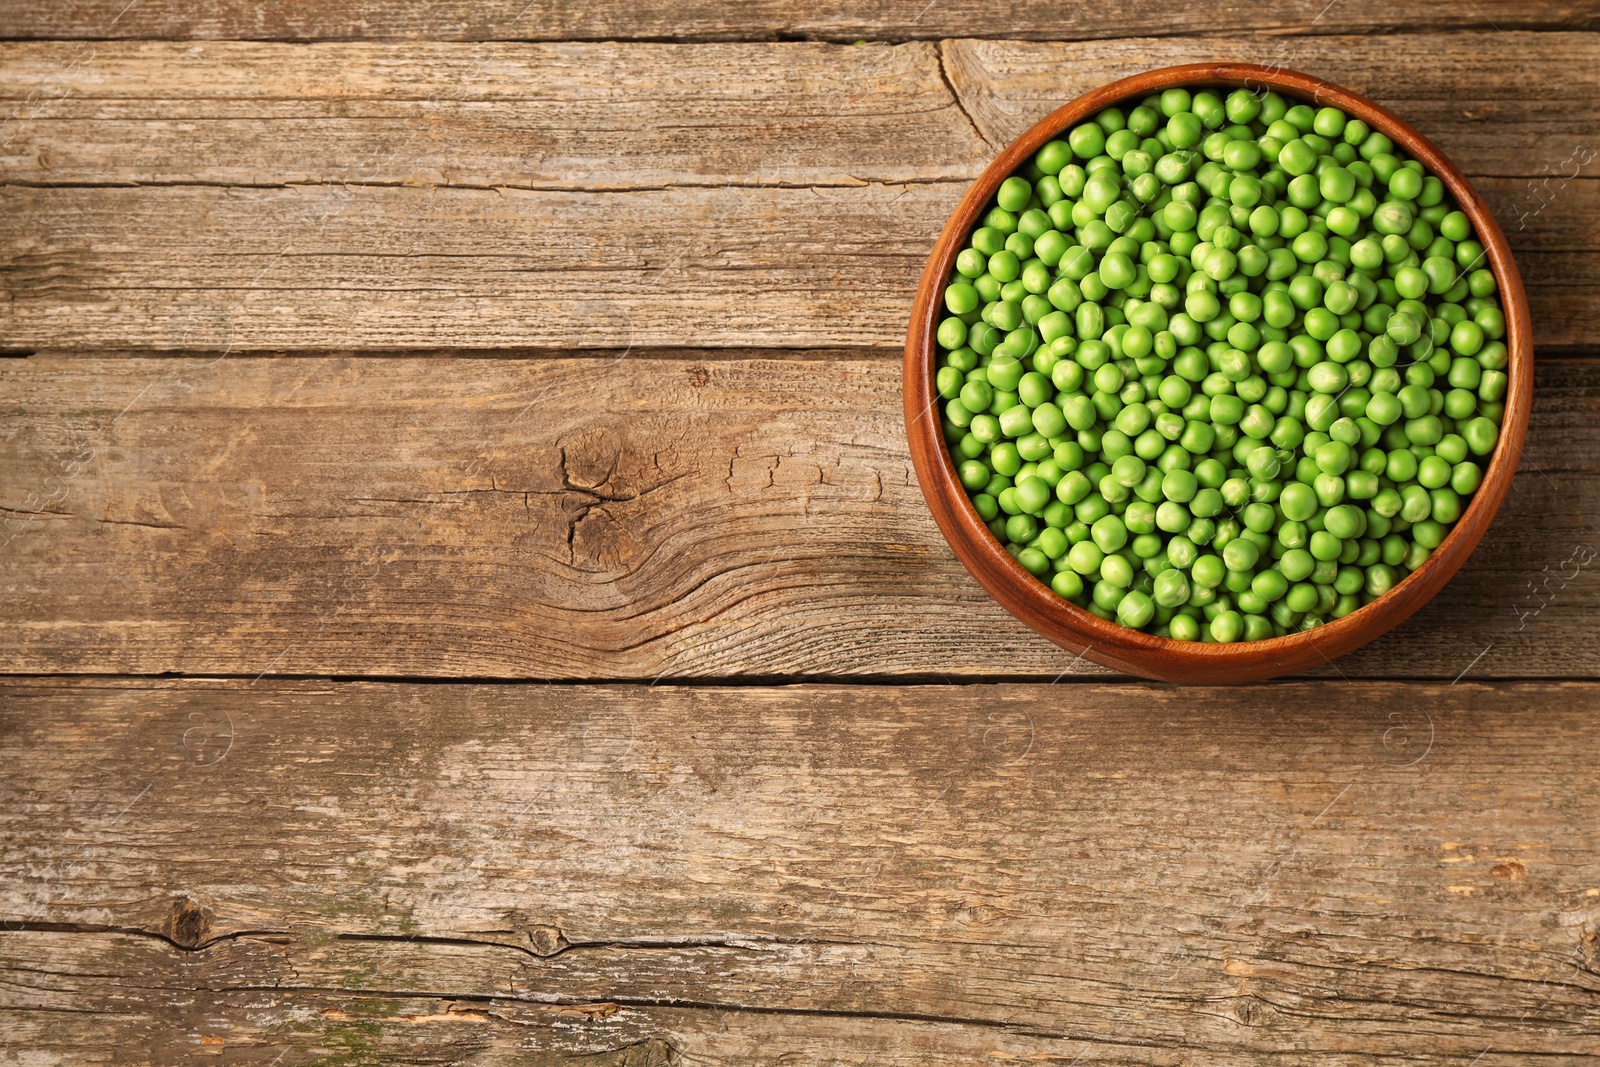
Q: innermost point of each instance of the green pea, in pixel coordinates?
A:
(1004, 266)
(1240, 554)
(1296, 157)
(1048, 420)
(1241, 155)
(1440, 272)
(1480, 434)
(1405, 184)
(1116, 570)
(1014, 193)
(1053, 156)
(1021, 528)
(960, 298)
(1016, 420)
(1227, 627)
(1135, 609)
(1033, 494)
(974, 475)
(1171, 588)
(1336, 184)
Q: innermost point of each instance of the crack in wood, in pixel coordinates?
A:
(955, 97)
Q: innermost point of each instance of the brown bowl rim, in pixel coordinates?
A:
(1134, 651)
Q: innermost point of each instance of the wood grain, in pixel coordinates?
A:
(761, 19)
(595, 195)
(611, 115)
(566, 116)
(1460, 90)
(588, 518)
(308, 267)
(1320, 872)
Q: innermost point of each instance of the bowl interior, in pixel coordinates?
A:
(1134, 651)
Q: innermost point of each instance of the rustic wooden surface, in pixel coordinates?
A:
(587, 518)
(384, 198)
(1077, 873)
(377, 365)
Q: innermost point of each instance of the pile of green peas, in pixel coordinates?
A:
(1221, 368)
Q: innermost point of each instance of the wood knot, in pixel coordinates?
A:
(188, 924)
(1515, 870)
(1253, 1011)
(699, 376)
(544, 940)
(1589, 947)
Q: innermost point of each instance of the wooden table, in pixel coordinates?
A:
(467, 599)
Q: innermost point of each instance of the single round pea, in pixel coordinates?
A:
(1480, 434)
(1109, 533)
(1135, 609)
(1004, 266)
(1014, 193)
(1344, 521)
(960, 298)
(1269, 585)
(1308, 247)
(1048, 420)
(1298, 501)
(1067, 584)
(1117, 570)
(1336, 184)
(1325, 546)
(1015, 420)
(1171, 588)
(1466, 337)
(1184, 129)
(1033, 493)
(1227, 627)
(1296, 157)
(1405, 184)
(1241, 155)
(1054, 156)
(952, 333)
(1440, 272)
(1240, 554)
(974, 475)
(1329, 122)
(1209, 571)
(1022, 527)
(1465, 477)
(1333, 457)
(1432, 472)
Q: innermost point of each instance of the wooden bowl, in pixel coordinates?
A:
(1133, 651)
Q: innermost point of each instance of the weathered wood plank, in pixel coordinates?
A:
(306, 267)
(586, 518)
(1461, 90)
(564, 116)
(97, 998)
(629, 115)
(505, 241)
(761, 19)
(1305, 872)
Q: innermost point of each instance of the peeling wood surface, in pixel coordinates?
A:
(585, 518)
(1130, 874)
(446, 196)
(699, 20)
(479, 347)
